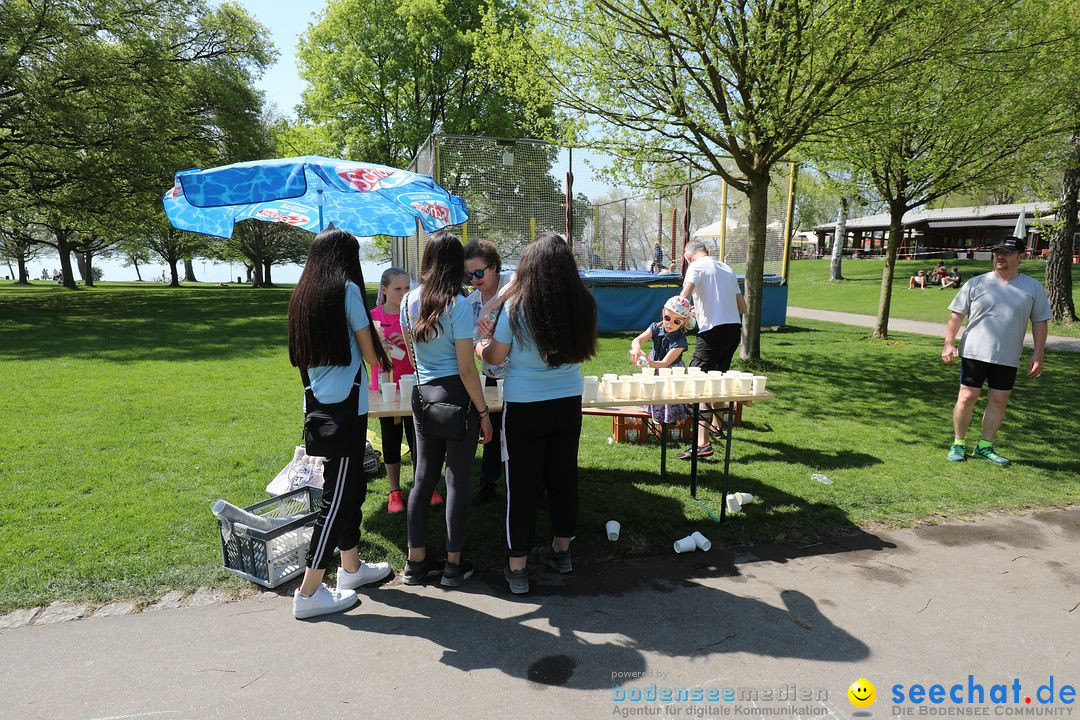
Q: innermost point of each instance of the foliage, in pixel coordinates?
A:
(383, 75)
(727, 89)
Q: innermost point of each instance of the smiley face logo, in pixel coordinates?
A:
(862, 693)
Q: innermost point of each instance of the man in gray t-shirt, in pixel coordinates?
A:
(998, 306)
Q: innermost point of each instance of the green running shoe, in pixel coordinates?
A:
(987, 453)
(957, 453)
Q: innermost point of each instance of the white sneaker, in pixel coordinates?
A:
(367, 574)
(322, 602)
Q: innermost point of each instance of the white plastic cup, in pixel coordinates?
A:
(678, 370)
(745, 383)
(384, 379)
(744, 498)
(618, 389)
(733, 504)
(389, 390)
(701, 542)
(729, 385)
(407, 383)
(664, 372)
(685, 545)
(591, 385)
(612, 528)
(657, 389)
(648, 371)
(757, 384)
(694, 370)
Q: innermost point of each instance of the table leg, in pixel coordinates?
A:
(729, 424)
(693, 451)
(663, 452)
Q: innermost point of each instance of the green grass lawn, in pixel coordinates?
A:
(809, 287)
(128, 409)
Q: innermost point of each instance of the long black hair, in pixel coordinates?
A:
(548, 295)
(441, 275)
(318, 329)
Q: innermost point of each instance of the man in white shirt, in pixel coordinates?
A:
(718, 306)
(998, 305)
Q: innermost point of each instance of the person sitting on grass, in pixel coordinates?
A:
(918, 280)
(952, 280)
(669, 344)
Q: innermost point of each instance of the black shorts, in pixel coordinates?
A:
(716, 346)
(974, 373)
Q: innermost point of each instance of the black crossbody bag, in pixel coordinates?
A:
(334, 429)
(436, 420)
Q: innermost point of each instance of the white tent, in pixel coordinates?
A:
(713, 230)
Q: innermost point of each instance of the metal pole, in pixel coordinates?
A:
(789, 220)
(570, 199)
(723, 220)
(622, 248)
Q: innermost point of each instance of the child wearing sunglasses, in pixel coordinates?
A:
(668, 345)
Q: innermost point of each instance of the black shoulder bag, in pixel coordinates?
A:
(435, 420)
(334, 429)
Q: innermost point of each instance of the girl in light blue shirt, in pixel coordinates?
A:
(547, 327)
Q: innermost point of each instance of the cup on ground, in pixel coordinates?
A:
(684, 545)
(612, 528)
(733, 504)
(701, 542)
(744, 498)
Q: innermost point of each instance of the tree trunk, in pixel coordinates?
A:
(189, 271)
(1059, 260)
(896, 229)
(249, 271)
(63, 249)
(758, 195)
(257, 281)
(135, 262)
(80, 262)
(175, 275)
(839, 237)
(23, 277)
(88, 269)
(267, 282)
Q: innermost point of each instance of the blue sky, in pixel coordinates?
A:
(286, 21)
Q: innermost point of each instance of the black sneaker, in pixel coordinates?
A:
(517, 579)
(484, 495)
(417, 571)
(703, 451)
(557, 561)
(453, 575)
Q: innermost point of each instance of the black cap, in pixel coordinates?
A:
(1013, 244)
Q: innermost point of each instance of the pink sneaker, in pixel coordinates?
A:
(396, 503)
(436, 498)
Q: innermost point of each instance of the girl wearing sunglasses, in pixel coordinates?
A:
(668, 345)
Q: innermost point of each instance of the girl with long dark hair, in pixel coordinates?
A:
(438, 319)
(330, 339)
(547, 327)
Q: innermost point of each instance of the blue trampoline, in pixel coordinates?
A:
(631, 299)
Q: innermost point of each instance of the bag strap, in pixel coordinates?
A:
(411, 349)
(358, 380)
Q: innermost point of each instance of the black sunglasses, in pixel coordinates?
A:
(476, 274)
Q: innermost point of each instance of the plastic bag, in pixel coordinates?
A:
(301, 471)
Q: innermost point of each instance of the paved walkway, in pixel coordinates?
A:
(788, 628)
(1054, 342)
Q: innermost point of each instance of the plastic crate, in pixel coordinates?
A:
(272, 557)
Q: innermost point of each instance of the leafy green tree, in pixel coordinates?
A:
(723, 88)
(950, 123)
(383, 75)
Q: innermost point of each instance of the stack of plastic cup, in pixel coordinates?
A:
(591, 384)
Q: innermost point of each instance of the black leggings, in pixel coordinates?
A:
(338, 523)
(540, 449)
(391, 438)
(428, 464)
(491, 465)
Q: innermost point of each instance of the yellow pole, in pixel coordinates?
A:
(723, 217)
(465, 233)
(532, 229)
(789, 220)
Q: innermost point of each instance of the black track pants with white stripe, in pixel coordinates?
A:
(338, 524)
